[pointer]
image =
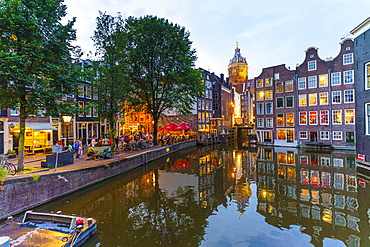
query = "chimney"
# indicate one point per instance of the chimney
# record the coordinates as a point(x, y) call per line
point(222, 78)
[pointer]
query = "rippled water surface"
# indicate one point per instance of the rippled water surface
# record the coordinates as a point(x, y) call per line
point(230, 195)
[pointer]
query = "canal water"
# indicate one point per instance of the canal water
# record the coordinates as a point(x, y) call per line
point(230, 195)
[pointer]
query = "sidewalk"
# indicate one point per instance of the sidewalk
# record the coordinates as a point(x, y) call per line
point(34, 161)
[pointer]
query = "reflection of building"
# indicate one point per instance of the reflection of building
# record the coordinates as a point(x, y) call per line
point(315, 190)
point(362, 83)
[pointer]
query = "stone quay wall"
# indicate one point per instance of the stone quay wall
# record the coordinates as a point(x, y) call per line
point(18, 195)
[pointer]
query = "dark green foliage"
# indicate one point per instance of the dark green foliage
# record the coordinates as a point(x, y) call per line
point(160, 64)
point(35, 60)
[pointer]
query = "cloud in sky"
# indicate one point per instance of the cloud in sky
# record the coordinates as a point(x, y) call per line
point(269, 32)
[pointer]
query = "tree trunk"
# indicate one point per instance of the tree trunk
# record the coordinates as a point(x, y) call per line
point(112, 133)
point(22, 130)
point(155, 132)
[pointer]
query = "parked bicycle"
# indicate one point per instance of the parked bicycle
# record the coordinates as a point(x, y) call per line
point(9, 167)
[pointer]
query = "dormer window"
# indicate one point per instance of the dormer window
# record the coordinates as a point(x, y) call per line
point(347, 58)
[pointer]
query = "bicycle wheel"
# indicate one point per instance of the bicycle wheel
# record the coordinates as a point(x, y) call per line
point(6, 168)
point(12, 169)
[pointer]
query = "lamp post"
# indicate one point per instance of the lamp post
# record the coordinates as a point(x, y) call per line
point(67, 120)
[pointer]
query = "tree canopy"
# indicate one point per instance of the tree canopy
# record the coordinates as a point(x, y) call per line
point(160, 62)
point(36, 60)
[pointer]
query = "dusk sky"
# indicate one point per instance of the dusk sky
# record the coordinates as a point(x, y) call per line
point(268, 32)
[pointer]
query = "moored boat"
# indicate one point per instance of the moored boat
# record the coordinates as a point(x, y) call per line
point(49, 229)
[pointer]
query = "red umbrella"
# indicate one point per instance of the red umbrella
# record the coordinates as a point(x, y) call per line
point(184, 126)
point(170, 127)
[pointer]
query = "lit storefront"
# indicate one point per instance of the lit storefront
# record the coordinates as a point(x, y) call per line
point(38, 136)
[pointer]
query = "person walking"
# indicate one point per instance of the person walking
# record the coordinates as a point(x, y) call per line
point(80, 149)
point(76, 148)
point(93, 141)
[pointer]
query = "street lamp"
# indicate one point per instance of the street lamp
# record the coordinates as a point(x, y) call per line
point(67, 120)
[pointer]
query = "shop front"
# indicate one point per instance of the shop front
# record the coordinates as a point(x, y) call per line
point(38, 137)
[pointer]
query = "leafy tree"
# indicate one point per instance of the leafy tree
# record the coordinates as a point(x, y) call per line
point(109, 82)
point(35, 59)
point(161, 67)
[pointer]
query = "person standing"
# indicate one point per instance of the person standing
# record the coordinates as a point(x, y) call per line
point(93, 141)
point(76, 148)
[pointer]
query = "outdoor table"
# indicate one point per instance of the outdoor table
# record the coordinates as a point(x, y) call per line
point(102, 152)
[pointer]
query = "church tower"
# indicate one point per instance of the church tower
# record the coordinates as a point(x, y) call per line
point(238, 68)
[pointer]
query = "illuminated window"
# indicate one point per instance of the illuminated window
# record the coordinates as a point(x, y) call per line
point(260, 83)
point(88, 114)
point(367, 76)
point(312, 82)
point(337, 135)
point(81, 90)
point(336, 97)
point(269, 108)
point(302, 83)
point(324, 135)
point(289, 86)
point(324, 98)
point(312, 97)
point(199, 117)
point(303, 135)
point(279, 102)
point(282, 158)
point(312, 65)
point(280, 120)
point(260, 95)
point(324, 117)
point(291, 173)
point(289, 101)
point(350, 116)
point(335, 79)
point(260, 122)
point(290, 119)
point(337, 116)
point(281, 134)
point(269, 122)
point(348, 77)
point(349, 96)
point(302, 118)
point(199, 104)
point(290, 135)
point(88, 92)
point(313, 117)
point(268, 82)
point(347, 58)
point(279, 87)
point(80, 105)
point(268, 95)
point(259, 108)
point(302, 100)
point(323, 80)
point(315, 181)
point(367, 120)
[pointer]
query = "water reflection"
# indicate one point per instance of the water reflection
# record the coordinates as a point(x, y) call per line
point(230, 195)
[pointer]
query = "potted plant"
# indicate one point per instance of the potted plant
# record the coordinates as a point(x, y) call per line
point(11, 154)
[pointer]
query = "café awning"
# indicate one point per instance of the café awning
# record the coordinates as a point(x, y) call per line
point(40, 126)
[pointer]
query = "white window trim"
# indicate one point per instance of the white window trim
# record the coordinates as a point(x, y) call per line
point(337, 139)
point(354, 116)
point(353, 77)
point(299, 118)
point(278, 121)
point(299, 100)
point(341, 117)
point(325, 158)
point(309, 118)
point(258, 121)
point(286, 119)
point(292, 102)
point(282, 86)
point(344, 59)
point(263, 110)
point(308, 65)
point(270, 94)
point(340, 78)
point(258, 98)
point(88, 114)
point(324, 138)
point(367, 130)
point(257, 83)
point(332, 98)
point(81, 114)
point(327, 80)
point(290, 81)
point(308, 82)
point(272, 123)
point(344, 96)
point(367, 65)
point(327, 96)
point(304, 83)
point(272, 108)
point(302, 137)
point(328, 118)
point(270, 80)
point(309, 102)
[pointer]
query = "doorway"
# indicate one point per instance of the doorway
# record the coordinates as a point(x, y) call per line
point(313, 136)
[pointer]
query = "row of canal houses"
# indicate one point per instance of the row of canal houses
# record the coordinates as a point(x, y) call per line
point(323, 102)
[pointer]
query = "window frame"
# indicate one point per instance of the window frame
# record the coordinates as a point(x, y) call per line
point(352, 73)
point(272, 108)
point(327, 137)
point(345, 117)
point(272, 122)
point(286, 98)
point(286, 120)
point(309, 99)
point(332, 117)
point(317, 122)
point(279, 85)
point(327, 98)
point(311, 64)
point(347, 56)
point(335, 135)
point(262, 109)
point(353, 96)
point(304, 138)
point(367, 121)
point(270, 91)
point(308, 82)
point(327, 82)
point(302, 81)
point(301, 96)
point(328, 118)
point(301, 114)
point(277, 105)
point(259, 93)
point(367, 75)
point(340, 97)
point(260, 120)
point(333, 79)
point(277, 119)
point(289, 84)
point(257, 83)
point(270, 82)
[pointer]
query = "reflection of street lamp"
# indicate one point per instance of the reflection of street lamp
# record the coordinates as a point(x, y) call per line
point(67, 120)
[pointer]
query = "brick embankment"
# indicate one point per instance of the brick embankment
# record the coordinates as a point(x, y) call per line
point(29, 190)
